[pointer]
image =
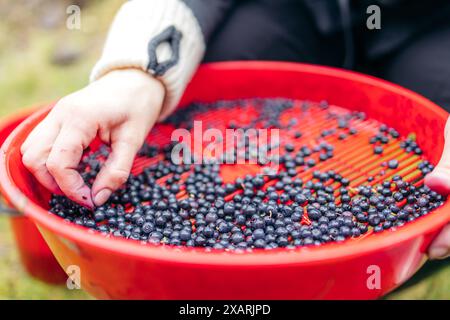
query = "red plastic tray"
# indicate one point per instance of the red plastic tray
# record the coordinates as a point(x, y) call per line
point(118, 268)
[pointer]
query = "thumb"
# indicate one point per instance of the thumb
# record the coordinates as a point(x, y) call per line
point(439, 178)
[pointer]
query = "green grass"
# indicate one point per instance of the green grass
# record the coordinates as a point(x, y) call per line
point(28, 77)
point(431, 282)
point(15, 283)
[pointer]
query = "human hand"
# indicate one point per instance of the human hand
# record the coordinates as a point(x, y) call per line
point(121, 108)
point(439, 180)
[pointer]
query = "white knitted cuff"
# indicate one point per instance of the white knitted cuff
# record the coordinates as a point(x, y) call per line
point(136, 24)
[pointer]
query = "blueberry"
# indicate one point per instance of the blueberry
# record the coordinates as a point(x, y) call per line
point(310, 162)
point(281, 231)
point(300, 199)
point(228, 208)
point(237, 238)
point(111, 212)
point(211, 217)
point(223, 227)
point(282, 241)
point(374, 219)
point(422, 202)
point(148, 227)
point(377, 150)
point(208, 232)
point(260, 243)
point(392, 164)
point(99, 216)
point(289, 147)
point(314, 214)
point(200, 241)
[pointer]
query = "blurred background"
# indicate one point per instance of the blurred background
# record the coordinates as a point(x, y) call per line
point(41, 59)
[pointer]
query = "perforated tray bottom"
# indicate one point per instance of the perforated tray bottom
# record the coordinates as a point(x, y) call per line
point(353, 158)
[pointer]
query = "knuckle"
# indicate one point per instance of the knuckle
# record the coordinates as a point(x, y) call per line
point(59, 107)
point(66, 102)
point(129, 135)
point(53, 166)
point(61, 149)
point(29, 160)
point(73, 186)
point(65, 108)
point(130, 142)
point(23, 149)
point(118, 176)
point(79, 125)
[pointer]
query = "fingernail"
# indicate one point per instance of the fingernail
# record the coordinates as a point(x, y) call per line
point(439, 253)
point(102, 196)
point(84, 197)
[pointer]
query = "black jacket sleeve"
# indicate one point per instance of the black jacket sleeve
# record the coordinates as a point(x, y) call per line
point(210, 13)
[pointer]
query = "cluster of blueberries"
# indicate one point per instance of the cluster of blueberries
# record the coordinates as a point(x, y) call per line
point(386, 134)
point(194, 207)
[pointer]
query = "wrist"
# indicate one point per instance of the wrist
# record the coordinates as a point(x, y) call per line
point(139, 86)
point(136, 78)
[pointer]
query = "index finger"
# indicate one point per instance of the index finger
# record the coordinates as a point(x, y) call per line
point(63, 162)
